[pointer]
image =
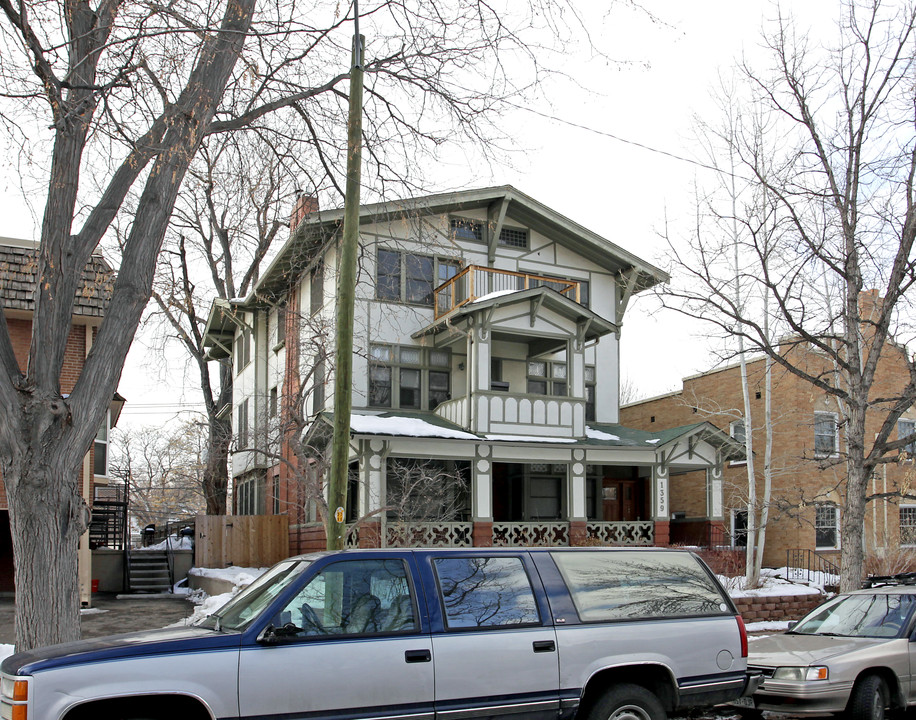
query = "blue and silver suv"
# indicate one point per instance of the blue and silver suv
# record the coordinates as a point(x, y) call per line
point(524, 634)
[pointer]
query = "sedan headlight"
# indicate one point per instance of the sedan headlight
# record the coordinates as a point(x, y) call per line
point(815, 672)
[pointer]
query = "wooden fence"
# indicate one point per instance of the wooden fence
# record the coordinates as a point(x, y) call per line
point(242, 540)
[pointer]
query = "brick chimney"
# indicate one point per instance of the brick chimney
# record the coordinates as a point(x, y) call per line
point(304, 205)
point(870, 304)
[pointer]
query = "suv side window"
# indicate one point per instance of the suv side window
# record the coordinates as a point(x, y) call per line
point(353, 597)
point(485, 592)
point(635, 585)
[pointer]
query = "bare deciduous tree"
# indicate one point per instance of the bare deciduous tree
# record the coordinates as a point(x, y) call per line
point(829, 143)
point(127, 92)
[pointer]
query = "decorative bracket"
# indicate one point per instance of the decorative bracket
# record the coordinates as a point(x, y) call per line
point(628, 281)
point(495, 227)
point(581, 331)
point(535, 307)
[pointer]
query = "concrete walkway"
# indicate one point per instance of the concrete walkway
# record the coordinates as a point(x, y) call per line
point(111, 614)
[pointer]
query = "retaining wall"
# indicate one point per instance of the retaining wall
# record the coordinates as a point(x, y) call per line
point(781, 607)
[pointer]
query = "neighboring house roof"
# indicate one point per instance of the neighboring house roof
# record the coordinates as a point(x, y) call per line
point(18, 270)
point(318, 226)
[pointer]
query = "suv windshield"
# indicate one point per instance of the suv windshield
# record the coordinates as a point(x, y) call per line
point(249, 603)
point(860, 615)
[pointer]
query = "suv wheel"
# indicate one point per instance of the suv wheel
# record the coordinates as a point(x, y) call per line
point(629, 702)
point(869, 699)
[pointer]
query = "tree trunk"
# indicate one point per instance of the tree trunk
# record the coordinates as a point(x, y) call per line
point(47, 517)
point(216, 474)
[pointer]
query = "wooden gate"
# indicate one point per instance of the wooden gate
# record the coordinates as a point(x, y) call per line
point(242, 540)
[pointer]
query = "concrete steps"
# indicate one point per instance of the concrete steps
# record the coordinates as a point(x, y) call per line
point(149, 571)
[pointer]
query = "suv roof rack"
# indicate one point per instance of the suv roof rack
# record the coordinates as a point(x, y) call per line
point(908, 578)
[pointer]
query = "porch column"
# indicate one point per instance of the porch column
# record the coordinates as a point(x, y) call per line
point(479, 369)
point(576, 499)
point(372, 467)
point(714, 494)
point(575, 378)
point(482, 497)
point(715, 507)
point(661, 513)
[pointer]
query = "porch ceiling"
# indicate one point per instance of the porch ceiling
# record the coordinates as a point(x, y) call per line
point(581, 320)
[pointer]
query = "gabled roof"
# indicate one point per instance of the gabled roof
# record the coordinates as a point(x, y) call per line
point(18, 270)
point(317, 227)
point(706, 431)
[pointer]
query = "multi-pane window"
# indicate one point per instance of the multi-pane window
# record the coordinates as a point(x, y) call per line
point(422, 377)
point(825, 434)
point(242, 350)
point(250, 495)
point(513, 237)
point(410, 278)
point(281, 324)
point(100, 449)
point(904, 428)
point(319, 378)
point(738, 431)
point(242, 432)
point(590, 376)
point(908, 524)
point(316, 288)
point(826, 534)
point(273, 402)
point(467, 229)
point(546, 378)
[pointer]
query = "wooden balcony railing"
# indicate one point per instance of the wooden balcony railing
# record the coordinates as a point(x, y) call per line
point(476, 281)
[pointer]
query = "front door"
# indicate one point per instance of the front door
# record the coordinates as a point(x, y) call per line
point(351, 645)
point(618, 499)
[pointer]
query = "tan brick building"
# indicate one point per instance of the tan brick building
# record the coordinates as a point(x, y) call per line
point(18, 268)
point(808, 467)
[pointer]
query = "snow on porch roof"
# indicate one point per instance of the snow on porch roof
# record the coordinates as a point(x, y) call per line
point(429, 425)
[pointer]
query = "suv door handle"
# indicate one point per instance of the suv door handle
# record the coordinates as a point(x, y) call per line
point(415, 656)
point(544, 646)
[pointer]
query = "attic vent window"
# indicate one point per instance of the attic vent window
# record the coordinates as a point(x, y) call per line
point(757, 394)
point(463, 229)
point(652, 419)
point(512, 237)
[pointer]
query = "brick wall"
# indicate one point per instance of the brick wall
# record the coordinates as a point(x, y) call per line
point(776, 608)
point(798, 480)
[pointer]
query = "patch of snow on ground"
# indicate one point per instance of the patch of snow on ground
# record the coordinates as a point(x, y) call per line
point(206, 605)
point(598, 435)
point(182, 543)
point(770, 585)
point(5, 651)
point(238, 576)
point(92, 611)
point(801, 575)
point(411, 427)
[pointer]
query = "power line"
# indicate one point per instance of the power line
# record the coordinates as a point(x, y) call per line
point(625, 141)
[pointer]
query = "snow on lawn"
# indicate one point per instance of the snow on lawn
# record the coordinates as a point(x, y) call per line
point(771, 583)
point(763, 626)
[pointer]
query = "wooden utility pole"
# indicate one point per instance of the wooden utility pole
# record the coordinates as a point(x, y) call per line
point(346, 295)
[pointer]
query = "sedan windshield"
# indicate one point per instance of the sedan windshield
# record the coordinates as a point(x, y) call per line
point(250, 603)
point(860, 615)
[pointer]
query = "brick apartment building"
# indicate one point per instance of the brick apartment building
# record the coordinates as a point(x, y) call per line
point(18, 268)
point(808, 471)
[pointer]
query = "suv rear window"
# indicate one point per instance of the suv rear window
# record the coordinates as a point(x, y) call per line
point(636, 585)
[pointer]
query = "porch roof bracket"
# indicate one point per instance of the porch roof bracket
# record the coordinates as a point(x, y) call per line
point(628, 281)
point(692, 446)
point(535, 308)
point(221, 346)
point(495, 227)
point(663, 459)
point(581, 331)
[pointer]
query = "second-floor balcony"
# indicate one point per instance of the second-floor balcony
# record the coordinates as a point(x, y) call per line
point(476, 281)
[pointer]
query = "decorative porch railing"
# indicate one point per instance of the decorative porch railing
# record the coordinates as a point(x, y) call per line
point(475, 281)
point(455, 410)
point(622, 533)
point(530, 534)
point(438, 534)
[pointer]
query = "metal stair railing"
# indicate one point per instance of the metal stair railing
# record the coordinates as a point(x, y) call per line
point(805, 564)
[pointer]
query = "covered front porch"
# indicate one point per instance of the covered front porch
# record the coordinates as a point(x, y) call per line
point(450, 488)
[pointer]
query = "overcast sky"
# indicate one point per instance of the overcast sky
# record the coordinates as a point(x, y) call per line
point(599, 157)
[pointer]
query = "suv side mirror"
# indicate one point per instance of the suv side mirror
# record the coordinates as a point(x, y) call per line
point(792, 624)
point(273, 635)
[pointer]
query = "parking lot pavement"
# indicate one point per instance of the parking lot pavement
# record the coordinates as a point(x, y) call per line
point(111, 614)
